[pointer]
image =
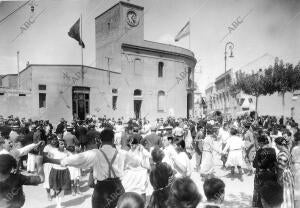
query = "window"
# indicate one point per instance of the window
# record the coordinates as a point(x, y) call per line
point(137, 92)
point(42, 100)
point(42, 87)
point(161, 101)
point(114, 98)
point(1, 93)
point(114, 102)
point(22, 95)
point(160, 69)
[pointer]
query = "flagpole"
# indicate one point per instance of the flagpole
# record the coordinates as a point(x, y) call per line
point(82, 75)
point(190, 34)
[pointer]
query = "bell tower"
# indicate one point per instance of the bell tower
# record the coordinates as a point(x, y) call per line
point(122, 23)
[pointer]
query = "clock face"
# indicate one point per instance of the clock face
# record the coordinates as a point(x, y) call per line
point(132, 18)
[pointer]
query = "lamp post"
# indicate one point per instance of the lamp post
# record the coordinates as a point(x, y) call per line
point(229, 45)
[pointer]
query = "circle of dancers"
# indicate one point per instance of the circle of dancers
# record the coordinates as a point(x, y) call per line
point(124, 159)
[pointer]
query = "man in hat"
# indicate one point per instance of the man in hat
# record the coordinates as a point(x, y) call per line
point(69, 138)
point(152, 139)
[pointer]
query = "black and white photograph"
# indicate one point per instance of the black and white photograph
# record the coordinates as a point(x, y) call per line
point(149, 103)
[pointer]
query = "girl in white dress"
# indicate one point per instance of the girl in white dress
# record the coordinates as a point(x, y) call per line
point(59, 178)
point(135, 178)
point(48, 151)
point(181, 160)
point(75, 173)
point(208, 148)
point(235, 146)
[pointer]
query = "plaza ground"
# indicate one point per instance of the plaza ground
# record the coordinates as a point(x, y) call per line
point(238, 194)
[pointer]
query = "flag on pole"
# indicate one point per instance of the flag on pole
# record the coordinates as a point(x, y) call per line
point(75, 33)
point(185, 31)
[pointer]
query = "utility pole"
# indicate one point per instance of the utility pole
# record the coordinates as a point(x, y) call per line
point(18, 63)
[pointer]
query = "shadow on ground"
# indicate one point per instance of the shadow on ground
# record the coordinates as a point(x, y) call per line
point(241, 200)
point(73, 202)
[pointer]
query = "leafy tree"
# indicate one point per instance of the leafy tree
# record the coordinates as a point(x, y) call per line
point(254, 84)
point(286, 79)
point(280, 77)
point(296, 78)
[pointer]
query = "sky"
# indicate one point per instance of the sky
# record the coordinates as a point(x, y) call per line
point(262, 27)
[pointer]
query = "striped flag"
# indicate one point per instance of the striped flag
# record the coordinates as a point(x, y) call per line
point(185, 31)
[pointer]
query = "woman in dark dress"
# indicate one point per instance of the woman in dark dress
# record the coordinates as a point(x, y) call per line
point(161, 178)
point(265, 165)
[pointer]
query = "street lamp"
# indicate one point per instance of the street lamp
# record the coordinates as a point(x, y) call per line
point(229, 45)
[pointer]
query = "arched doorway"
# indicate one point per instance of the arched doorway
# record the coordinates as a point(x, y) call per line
point(137, 103)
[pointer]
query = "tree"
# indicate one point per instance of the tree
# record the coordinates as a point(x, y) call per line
point(255, 87)
point(296, 78)
point(279, 78)
point(255, 84)
point(235, 88)
point(283, 79)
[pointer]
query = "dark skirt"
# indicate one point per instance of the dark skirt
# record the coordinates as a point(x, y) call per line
point(106, 193)
point(260, 178)
point(60, 179)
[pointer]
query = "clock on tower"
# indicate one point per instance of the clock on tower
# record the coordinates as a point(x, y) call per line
point(132, 18)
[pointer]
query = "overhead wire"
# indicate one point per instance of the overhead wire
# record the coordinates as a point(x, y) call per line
point(13, 12)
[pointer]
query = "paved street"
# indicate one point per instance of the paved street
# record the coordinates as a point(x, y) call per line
point(237, 194)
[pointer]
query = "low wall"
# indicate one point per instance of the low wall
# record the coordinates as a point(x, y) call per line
point(272, 105)
point(16, 105)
